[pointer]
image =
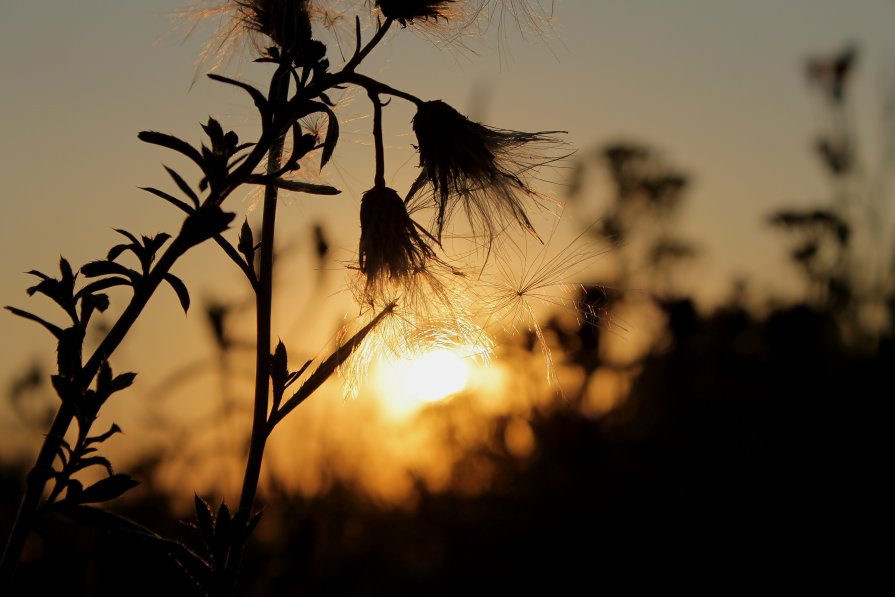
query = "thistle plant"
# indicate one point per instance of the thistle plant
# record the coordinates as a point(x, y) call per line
point(411, 295)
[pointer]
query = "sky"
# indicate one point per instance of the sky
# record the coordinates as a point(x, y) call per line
point(716, 86)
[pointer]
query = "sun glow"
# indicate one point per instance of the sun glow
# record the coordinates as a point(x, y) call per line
point(407, 384)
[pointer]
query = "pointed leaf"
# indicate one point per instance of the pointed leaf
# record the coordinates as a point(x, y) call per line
point(279, 369)
point(178, 203)
point(120, 382)
point(332, 135)
point(304, 187)
point(105, 283)
point(65, 268)
point(215, 132)
point(127, 235)
point(183, 186)
point(257, 96)
point(40, 275)
point(55, 330)
point(98, 439)
point(222, 524)
point(107, 489)
point(172, 142)
point(154, 243)
point(115, 251)
point(93, 461)
point(95, 269)
point(204, 519)
point(179, 287)
point(246, 244)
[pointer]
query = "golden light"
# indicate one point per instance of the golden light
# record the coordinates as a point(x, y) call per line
point(407, 384)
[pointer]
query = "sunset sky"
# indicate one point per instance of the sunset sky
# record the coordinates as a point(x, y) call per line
point(716, 86)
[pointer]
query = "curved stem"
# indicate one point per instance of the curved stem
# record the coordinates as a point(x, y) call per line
point(264, 307)
point(359, 55)
point(374, 86)
point(379, 178)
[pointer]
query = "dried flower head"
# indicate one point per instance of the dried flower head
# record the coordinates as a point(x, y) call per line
point(391, 247)
point(286, 22)
point(406, 11)
point(484, 171)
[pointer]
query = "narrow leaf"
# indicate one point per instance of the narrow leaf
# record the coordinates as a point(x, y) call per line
point(172, 142)
point(93, 461)
point(55, 330)
point(98, 439)
point(332, 136)
point(107, 489)
point(178, 203)
point(257, 96)
point(304, 187)
point(183, 186)
point(204, 519)
point(179, 287)
point(104, 283)
point(95, 269)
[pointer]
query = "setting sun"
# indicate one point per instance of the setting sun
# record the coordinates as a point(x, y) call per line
point(407, 384)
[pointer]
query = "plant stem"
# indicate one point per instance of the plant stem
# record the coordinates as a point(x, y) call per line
point(379, 178)
point(263, 317)
point(43, 467)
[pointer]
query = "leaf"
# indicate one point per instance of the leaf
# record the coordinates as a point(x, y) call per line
point(195, 568)
point(121, 382)
point(154, 243)
point(204, 223)
point(180, 288)
point(54, 329)
point(257, 96)
point(105, 283)
point(215, 133)
point(104, 379)
point(279, 369)
point(108, 489)
point(115, 251)
point(93, 461)
point(332, 135)
point(304, 187)
point(182, 184)
point(65, 268)
point(127, 235)
point(94, 269)
point(204, 519)
point(178, 203)
point(246, 244)
point(327, 367)
point(98, 439)
point(172, 142)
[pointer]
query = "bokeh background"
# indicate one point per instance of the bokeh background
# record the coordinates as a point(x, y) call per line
point(720, 412)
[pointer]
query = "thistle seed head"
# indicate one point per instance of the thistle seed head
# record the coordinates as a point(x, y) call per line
point(406, 11)
point(286, 22)
point(484, 171)
point(391, 248)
